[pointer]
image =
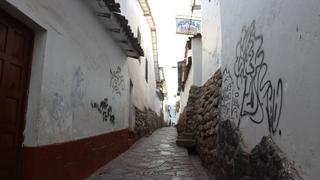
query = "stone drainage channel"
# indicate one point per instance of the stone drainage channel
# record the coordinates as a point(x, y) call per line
point(156, 157)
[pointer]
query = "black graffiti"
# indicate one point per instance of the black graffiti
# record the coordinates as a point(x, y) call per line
point(105, 109)
point(116, 81)
point(259, 98)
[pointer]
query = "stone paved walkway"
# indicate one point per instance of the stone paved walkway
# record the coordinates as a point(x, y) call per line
point(154, 158)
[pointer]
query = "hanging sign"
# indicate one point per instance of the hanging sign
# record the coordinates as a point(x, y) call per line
point(188, 26)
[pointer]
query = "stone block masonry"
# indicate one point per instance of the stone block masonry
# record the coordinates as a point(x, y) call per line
point(220, 144)
point(146, 122)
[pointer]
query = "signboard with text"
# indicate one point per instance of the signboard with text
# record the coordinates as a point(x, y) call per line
point(188, 26)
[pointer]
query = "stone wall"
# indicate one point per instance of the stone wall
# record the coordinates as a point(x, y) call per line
point(146, 122)
point(220, 144)
point(181, 125)
point(265, 161)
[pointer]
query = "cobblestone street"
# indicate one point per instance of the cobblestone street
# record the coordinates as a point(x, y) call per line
point(152, 158)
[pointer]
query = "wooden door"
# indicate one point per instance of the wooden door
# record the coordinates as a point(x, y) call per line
point(15, 43)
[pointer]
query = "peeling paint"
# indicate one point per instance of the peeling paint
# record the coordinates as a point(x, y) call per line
point(78, 89)
point(60, 109)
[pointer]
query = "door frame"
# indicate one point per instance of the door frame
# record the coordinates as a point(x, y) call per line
point(26, 86)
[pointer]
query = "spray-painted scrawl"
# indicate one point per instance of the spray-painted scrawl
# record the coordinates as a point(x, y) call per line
point(117, 81)
point(105, 109)
point(247, 92)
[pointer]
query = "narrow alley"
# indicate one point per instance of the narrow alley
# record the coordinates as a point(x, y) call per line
point(156, 157)
point(159, 89)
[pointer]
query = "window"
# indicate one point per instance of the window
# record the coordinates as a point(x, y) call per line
point(139, 41)
point(146, 68)
point(139, 36)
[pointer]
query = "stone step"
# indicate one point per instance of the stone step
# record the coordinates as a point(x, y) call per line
point(187, 143)
point(187, 135)
point(182, 136)
point(189, 130)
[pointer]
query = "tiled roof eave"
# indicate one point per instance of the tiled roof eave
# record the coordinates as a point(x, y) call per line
point(108, 12)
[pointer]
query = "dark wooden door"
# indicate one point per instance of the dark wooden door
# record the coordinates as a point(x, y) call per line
point(15, 41)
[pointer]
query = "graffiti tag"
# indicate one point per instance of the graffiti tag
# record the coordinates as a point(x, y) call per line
point(117, 81)
point(105, 109)
point(259, 98)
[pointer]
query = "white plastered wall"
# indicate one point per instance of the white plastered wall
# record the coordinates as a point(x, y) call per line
point(195, 73)
point(72, 60)
point(144, 93)
point(185, 94)
point(211, 38)
point(288, 33)
point(197, 61)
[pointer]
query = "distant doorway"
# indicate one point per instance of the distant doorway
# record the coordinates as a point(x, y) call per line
point(15, 60)
point(131, 108)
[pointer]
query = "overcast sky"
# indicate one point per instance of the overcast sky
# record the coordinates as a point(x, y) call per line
point(170, 45)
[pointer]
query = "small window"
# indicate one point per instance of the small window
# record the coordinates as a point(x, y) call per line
point(139, 36)
point(146, 68)
point(139, 40)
